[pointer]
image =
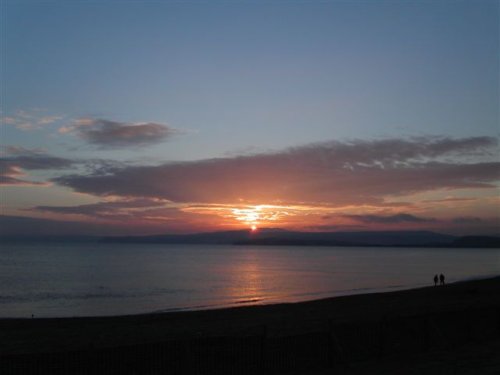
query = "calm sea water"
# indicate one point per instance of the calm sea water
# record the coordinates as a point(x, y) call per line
point(110, 279)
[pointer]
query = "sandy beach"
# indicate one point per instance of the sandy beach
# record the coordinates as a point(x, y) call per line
point(25, 337)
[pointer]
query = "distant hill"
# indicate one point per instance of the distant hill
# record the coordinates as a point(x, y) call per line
point(385, 238)
point(477, 241)
point(195, 238)
point(48, 239)
point(280, 237)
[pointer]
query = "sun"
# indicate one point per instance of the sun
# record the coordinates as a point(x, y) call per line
point(253, 228)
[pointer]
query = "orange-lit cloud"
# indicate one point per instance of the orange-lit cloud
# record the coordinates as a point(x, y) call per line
point(361, 172)
point(15, 160)
point(422, 183)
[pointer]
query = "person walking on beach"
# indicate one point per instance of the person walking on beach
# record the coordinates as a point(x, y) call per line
point(441, 279)
point(435, 280)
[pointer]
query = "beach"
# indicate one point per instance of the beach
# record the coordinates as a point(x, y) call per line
point(481, 298)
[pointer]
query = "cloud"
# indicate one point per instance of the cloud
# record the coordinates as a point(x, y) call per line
point(471, 225)
point(391, 219)
point(25, 226)
point(31, 226)
point(159, 220)
point(104, 209)
point(334, 173)
point(333, 228)
point(112, 134)
point(447, 200)
point(30, 120)
point(9, 175)
point(45, 120)
point(467, 220)
point(19, 150)
point(7, 120)
point(15, 160)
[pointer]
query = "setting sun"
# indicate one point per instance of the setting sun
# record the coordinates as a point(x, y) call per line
point(259, 215)
point(254, 228)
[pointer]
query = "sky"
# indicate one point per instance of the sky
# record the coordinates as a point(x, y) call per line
point(147, 117)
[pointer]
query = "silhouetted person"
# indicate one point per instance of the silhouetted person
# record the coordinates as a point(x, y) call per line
point(441, 279)
point(435, 280)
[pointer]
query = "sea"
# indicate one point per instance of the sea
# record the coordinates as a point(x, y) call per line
point(91, 279)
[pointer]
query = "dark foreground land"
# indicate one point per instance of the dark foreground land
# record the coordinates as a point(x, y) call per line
point(452, 329)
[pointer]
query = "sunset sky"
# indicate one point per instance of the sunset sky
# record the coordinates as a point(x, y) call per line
point(147, 117)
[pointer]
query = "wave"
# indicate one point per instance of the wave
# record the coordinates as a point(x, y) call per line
point(51, 296)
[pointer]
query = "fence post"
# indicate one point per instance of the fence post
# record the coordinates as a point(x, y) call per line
point(382, 336)
point(330, 344)
point(468, 326)
point(189, 358)
point(335, 349)
point(262, 352)
point(427, 332)
point(498, 320)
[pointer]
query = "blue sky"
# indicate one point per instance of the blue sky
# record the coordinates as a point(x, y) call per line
point(244, 77)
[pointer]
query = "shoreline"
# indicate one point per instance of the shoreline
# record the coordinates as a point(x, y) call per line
point(24, 335)
point(263, 302)
point(290, 299)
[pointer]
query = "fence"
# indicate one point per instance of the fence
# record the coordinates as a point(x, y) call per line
point(259, 354)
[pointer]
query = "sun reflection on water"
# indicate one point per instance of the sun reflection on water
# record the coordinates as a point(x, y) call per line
point(248, 279)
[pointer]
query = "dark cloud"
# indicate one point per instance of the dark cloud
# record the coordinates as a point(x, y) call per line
point(470, 225)
point(36, 162)
point(333, 227)
point(24, 226)
point(15, 160)
point(30, 226)
point(390, 219)
point(102, 166)
point(9, 175)
point(114, 134)
point(467, 220)
point(103, 209)
point(359, 172)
